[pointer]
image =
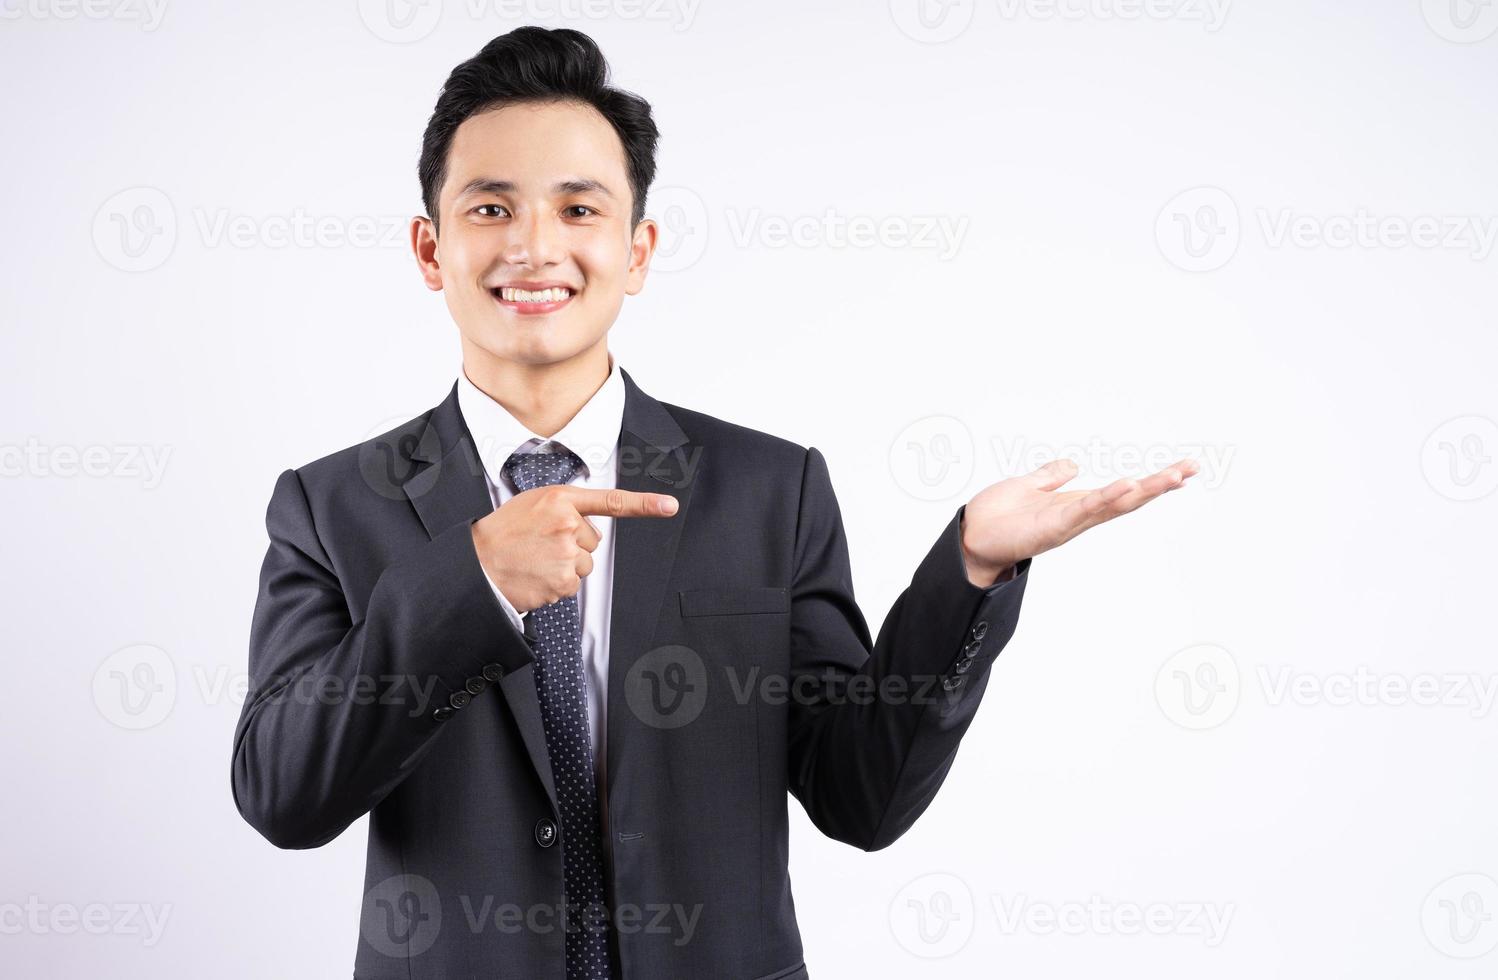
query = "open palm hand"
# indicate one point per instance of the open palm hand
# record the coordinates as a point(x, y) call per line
point(1025, 515)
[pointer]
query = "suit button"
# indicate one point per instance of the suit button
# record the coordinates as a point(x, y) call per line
point(459, 699)
point(546, 832)
point(443, 713)
point(953, 683)
point(475, 686)
point(980, 629)
point(971, 650)
point(493, 672)
point(963, 666)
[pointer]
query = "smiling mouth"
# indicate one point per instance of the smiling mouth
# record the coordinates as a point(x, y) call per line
point(511, 294)
point(531, 301)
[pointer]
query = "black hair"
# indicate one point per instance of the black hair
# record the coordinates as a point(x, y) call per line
point(536, 64)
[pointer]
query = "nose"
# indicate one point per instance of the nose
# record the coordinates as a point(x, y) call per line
point(534, 241)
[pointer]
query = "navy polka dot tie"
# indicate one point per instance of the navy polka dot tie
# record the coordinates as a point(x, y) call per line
point(560, 684)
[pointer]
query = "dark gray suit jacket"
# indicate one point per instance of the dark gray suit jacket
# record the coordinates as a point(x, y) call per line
point(386, 679)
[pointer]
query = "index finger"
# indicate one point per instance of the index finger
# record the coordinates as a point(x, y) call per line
point(621, 503)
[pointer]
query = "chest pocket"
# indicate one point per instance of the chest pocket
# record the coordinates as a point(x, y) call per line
point(734, 602)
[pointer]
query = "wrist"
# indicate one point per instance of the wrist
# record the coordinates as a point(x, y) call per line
point(982, 573)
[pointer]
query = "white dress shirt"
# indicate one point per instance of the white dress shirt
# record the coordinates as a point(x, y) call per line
point(593, 434)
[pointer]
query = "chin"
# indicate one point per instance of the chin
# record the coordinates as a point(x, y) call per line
point(532, 344)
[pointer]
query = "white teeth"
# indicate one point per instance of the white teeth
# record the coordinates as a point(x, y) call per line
point(511, 295)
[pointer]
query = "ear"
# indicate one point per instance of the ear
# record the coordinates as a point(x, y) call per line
point(642, 247)
point(424, 245)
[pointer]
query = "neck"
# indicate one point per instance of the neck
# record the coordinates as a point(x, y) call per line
point(543, 397)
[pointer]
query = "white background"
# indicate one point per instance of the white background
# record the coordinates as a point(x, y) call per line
point(1221, 704)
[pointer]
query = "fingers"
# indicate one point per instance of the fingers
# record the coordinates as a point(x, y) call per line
point(1173, 477)
point(1103, 503)
point(587, 536)
point(1188, 467)
point(620, 503)
point(1052, 474)
point(1123, 496)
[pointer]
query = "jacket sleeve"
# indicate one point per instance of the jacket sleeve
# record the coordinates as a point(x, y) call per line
point(875, 727)
point(339, 712)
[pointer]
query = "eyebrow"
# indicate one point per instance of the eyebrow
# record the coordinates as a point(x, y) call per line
point(575, 185)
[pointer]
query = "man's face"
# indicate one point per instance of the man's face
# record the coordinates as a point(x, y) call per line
point(536, 197)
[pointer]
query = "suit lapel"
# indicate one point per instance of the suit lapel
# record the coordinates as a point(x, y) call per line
point(654, 457)
point(446, 486)
point(452, 490)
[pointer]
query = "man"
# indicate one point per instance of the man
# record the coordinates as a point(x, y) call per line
point(569, 646)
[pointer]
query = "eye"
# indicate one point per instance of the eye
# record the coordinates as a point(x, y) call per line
point(579, 207)
point(483, 207)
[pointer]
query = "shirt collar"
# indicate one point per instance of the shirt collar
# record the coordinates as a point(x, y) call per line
point(593, 433)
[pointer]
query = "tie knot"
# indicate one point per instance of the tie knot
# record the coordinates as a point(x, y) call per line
point(530, 470)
